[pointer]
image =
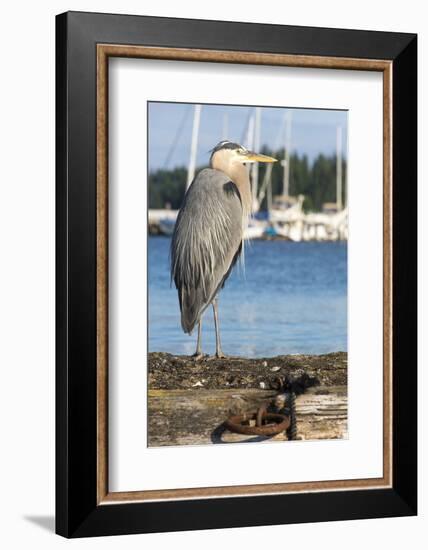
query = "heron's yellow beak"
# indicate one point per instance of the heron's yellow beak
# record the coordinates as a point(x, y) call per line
point(250, 156)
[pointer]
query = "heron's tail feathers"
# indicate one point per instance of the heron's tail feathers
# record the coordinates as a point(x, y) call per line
point(192, 305)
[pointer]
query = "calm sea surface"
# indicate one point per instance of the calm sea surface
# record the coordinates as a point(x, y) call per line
point(291, 299)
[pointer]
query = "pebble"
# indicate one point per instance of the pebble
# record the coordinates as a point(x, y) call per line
point(275, 369)
point(197, 385)
point(262, 385)
point(264, 364)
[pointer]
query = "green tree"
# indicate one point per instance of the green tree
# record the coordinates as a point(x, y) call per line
point(316, 181)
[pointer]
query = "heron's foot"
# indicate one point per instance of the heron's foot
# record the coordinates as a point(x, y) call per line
point(198, 355)
point(218, 355)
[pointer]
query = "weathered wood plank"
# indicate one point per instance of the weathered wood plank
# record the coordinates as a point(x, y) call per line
point(322, 413)
point(195, 416)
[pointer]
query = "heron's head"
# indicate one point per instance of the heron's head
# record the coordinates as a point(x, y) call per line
point(227, 153)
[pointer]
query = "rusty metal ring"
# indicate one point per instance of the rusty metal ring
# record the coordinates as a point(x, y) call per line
point(277, 423)
point(260, 415)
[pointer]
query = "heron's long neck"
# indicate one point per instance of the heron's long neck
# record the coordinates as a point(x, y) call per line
point(241, 178)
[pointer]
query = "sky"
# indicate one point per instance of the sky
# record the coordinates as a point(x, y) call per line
point(313, 131)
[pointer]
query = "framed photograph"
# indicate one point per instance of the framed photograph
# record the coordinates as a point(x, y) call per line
point(236, 274)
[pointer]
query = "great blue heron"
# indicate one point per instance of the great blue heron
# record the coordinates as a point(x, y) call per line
point(208, 234)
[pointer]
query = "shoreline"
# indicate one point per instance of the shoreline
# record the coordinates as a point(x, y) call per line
point(167, 371)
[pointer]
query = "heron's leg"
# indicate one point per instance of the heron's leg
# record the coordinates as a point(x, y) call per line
point(218, 351)
point(198, 353)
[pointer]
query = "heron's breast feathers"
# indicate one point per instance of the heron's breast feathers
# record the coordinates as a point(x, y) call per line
point(208, 233)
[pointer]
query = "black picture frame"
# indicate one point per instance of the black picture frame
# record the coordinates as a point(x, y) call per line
point(77, 511)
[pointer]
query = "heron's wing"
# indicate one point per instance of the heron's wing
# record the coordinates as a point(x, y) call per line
point(206, 242)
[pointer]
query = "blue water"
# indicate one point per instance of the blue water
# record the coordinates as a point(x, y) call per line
point(291, 299)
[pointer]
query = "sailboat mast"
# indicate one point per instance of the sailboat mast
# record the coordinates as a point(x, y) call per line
point(255, 170)
point(286, 161)
point(339, 204)
point(249, 140)
point(194, 145)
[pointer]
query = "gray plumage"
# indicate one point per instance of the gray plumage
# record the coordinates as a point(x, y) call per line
point(206, 243)
point(208, 234)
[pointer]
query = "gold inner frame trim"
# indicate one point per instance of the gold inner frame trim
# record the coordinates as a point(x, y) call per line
point(104, 51)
